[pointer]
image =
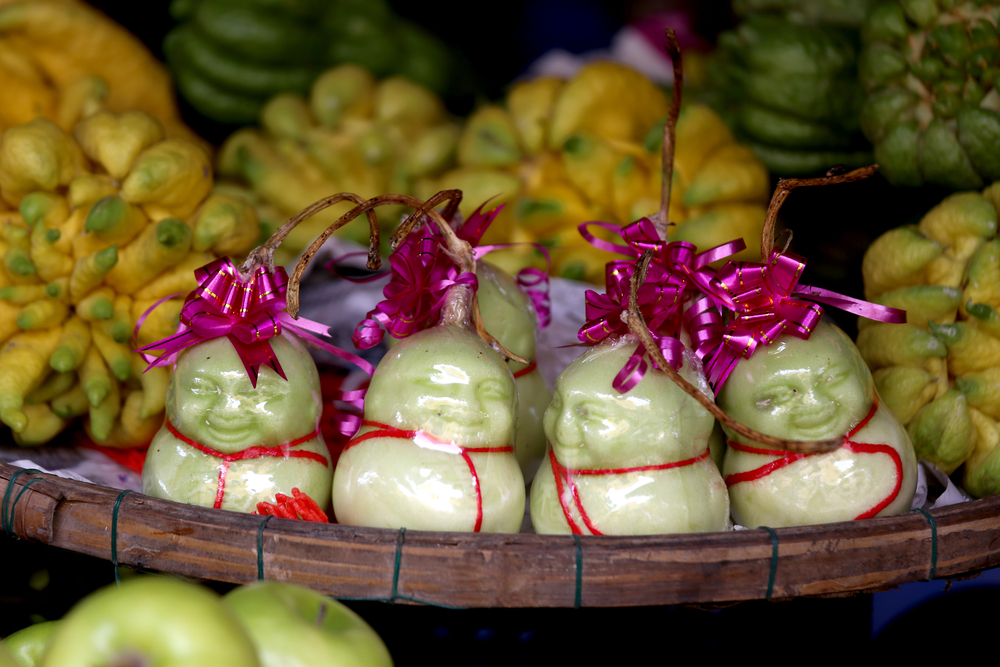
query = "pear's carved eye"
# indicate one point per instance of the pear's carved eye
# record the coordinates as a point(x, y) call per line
point(492, 390)
point(201, 385)
point(776, 396)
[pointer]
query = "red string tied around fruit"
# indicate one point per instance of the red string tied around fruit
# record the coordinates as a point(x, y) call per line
point(766, 301)
point(248, 313)
point(674, 276)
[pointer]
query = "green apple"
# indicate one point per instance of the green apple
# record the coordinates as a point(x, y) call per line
point(814, 389)
point(28, 644)
point(211, 401)
point(509, 318)
point(435, 392)
point(591, 426)
point(7, 660)
point(151, 620)
point(294, 626)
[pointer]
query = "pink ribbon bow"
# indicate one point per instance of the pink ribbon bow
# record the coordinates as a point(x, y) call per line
point(674, 276)
point(766, 301)
point(248, 314)
point(421, 275)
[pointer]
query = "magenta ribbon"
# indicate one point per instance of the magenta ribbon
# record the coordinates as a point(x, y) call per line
point(673, 277)
point(422, 272)
point(535, 284)
point(766, 301)
point(248, 314)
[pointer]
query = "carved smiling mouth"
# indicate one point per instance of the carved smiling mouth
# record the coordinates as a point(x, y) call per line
point(228, 433)
point(817, 423)
point(456, 426)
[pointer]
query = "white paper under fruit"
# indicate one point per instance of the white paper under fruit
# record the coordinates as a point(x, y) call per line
point(815, 389)
point(435, 398)
point(653, 439)
point(212, 403)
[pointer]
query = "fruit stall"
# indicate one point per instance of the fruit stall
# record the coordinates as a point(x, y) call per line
point(327, 335)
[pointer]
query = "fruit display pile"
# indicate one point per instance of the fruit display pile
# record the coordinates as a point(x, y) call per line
point(790, 88)
point(680, 416)
point(932, 75)
point(939, 372)
point(228, 58)
point(797, 80)
point(354, 133)
point(108, 221)
point(561, 153)
point(63, 60)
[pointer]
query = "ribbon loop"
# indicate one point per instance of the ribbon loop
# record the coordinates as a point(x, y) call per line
point(676, 275)
point(422, 272)
point(249, 314)
point(767, 301)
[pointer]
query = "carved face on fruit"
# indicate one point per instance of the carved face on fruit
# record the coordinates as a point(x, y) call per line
point(211, 400)
point(592, 425)
point(447, 382)
point(798, 389)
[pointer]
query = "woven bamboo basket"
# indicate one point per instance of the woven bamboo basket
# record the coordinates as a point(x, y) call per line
point(493, 570)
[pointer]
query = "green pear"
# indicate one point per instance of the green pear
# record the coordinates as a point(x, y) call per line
point(591, 426)
point(815, 389)
point(508, 317)
point(435, 392)
point(211, 401)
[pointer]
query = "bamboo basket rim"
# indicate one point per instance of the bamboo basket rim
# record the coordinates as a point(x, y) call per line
point(499, 570)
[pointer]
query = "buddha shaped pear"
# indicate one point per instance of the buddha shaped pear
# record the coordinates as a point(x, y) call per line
point(230, 445)
point(629, 463)
point(435, 450)
point(814, 389)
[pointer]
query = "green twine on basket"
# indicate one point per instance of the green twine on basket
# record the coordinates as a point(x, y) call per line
point(7, 507)
point(400, 537)
point(774, 561)
point(395, 566)
point(578, 593)
point(114, 533)
point(934, 542)
point(260, 547)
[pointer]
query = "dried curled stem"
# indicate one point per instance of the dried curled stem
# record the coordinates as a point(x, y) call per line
point(457, 309)
point(453, 197)
point(366, 207)
point(637, 325)
point(263, 255)
point(785, 187)
point(661, 220)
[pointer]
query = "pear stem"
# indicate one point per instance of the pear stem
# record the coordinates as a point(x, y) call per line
point(670, 134)
point(785, 187)
point(458, 308)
